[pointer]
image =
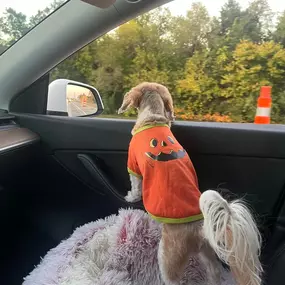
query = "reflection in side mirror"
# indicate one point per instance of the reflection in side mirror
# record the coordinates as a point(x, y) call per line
point(80, 101)
point(73, 99)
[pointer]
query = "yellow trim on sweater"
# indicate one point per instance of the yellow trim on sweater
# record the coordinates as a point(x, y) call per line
point(133, 173)
point(178, 220)
point(149, 127)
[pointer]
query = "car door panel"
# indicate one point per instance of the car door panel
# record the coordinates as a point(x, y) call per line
point(115, 134)
point(246, 159)
point(100, 171)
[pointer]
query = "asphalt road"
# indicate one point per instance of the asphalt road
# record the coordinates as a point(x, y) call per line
point(75, 109)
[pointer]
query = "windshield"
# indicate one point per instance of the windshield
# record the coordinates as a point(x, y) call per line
point(17, 17)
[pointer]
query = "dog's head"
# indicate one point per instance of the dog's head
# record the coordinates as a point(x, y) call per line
point(135, 96)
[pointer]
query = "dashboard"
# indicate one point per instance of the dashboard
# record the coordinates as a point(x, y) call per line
point(15, 137)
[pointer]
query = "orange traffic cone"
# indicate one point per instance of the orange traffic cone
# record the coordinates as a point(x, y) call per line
point(83, 101)
point(263, 106)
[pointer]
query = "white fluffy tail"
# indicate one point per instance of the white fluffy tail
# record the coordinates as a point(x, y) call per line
point(232, 232)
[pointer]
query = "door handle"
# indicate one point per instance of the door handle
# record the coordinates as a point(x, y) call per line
point(97, 174)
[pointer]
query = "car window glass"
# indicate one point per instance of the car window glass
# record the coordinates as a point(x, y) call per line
point(18, 17)
point(214, 56)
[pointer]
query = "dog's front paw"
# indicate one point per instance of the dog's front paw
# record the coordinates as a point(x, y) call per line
point(131, 198)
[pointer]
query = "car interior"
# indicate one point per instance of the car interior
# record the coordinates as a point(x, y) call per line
point(58, 172)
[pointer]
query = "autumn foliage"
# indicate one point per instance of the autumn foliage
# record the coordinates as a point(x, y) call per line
point(187, 115)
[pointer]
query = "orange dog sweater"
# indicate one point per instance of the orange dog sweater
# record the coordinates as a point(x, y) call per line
point(170, 185)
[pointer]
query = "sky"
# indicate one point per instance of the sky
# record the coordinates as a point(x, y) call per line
point(177, 7)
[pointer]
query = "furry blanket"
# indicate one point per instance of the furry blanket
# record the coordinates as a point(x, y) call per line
point(120, 250)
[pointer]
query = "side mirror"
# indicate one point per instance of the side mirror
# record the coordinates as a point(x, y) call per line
point(73, 99)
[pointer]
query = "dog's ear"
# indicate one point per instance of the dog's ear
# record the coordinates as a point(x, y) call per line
point(168, 103)
point(170, 116)
point(169, 111)
point(131, 99)
point(127, 103)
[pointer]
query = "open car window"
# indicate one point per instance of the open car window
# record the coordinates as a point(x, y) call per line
point(18, 17)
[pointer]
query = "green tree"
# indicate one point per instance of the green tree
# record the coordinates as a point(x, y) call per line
point(78, 67)
point(254, 65)
point(2, 47)
point(279, 33)
point(136, 51)
point(260, 20)
point(229, 13)
point(107, 75)
point(42, 14)
point(199, 89)
point(191, 33)
point(14, 25)
point(253, 24)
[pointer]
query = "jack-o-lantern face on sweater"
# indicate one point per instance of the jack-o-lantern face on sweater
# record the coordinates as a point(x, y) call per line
point(163, 147)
